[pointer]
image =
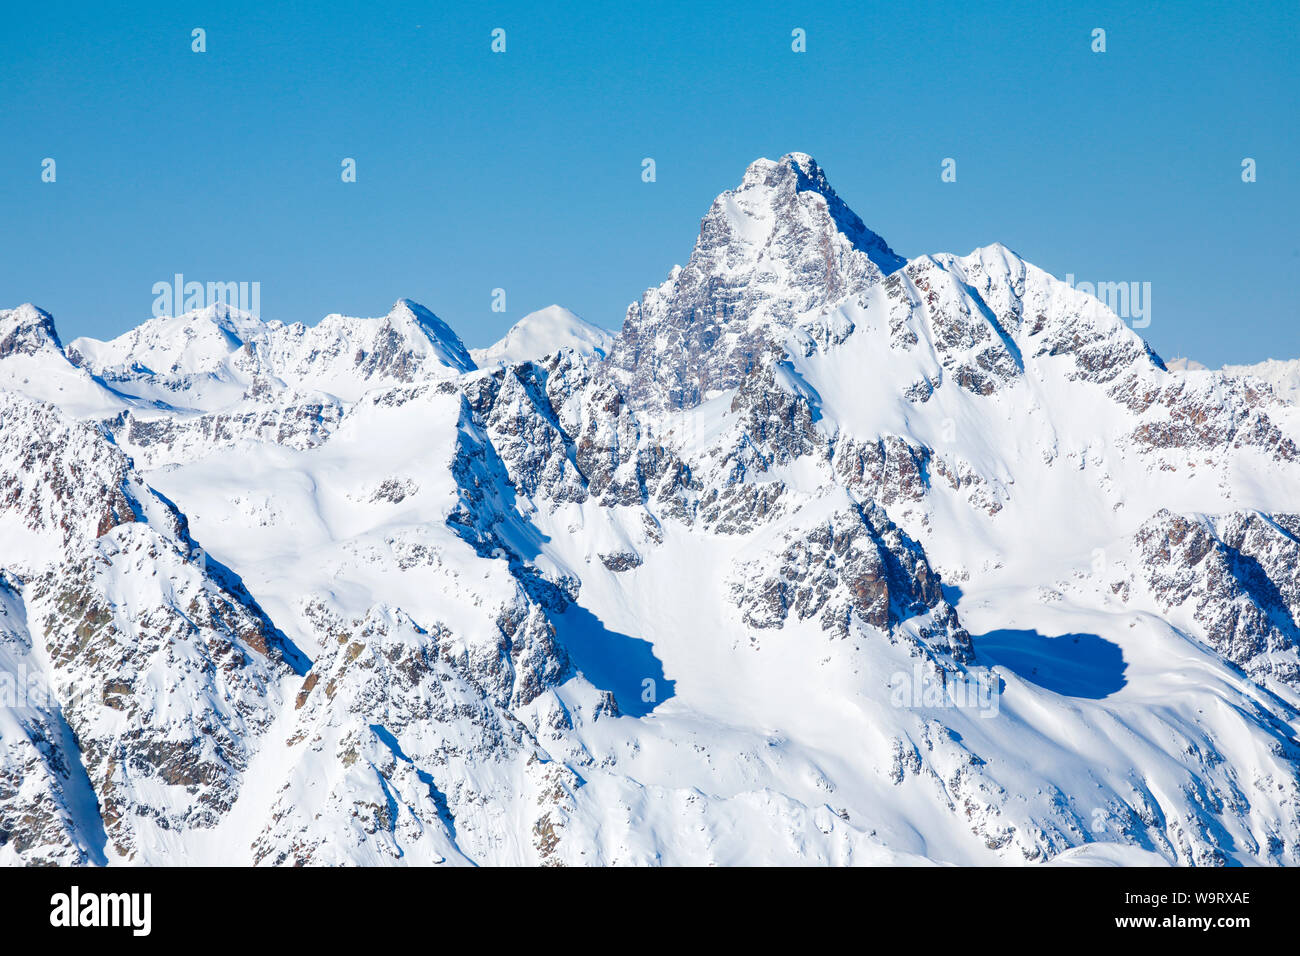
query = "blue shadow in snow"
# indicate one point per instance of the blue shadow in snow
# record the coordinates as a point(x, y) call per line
point(1075, 665)
point(615, 662)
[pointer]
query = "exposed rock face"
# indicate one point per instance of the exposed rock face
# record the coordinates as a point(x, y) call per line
point(61, 480)
point(1203, 419)
point(27, 330)
point(43, 789)
point(974, 346)
point(164, 667)
point(154, 441)
point(1236, 575)
point(856, 568)
point(886, 470)
point(780, 246)
point(37, 826)
point(186, 682)
point(413, 744)
point(540, 459)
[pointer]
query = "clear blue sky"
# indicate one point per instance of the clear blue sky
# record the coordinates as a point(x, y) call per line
point(523, 170)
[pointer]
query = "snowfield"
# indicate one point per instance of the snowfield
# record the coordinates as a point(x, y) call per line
point(826, 557)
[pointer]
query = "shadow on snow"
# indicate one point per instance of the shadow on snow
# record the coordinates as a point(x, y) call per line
point(1075, 665)
point(624, 665)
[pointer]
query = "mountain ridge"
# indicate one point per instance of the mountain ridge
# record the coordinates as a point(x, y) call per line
point(840, 560)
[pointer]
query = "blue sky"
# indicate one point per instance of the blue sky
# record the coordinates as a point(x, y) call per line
point(522, 170)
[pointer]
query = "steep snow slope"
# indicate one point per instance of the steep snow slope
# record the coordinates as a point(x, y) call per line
point(539, 334)
point(835, 558)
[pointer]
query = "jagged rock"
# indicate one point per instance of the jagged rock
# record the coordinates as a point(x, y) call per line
point(1237, 576)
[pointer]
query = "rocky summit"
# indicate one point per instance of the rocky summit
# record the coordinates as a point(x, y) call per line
point(824, 556)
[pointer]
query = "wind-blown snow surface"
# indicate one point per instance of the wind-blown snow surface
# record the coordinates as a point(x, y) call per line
point(828, 557)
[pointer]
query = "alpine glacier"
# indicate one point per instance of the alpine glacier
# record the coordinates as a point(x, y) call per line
point(827, 556)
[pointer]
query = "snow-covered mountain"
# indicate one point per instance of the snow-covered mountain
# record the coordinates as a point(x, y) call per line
point(828, 556)
point(541, 333)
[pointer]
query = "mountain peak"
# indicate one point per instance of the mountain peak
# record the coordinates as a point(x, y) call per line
point(197, 341)
point(410, 308)
point(779, 247)
point(27, 330)
point(827, 502)
point(241, 325)
point(447, 344)
point(801, 163)
point(811, 177)
point(218, 311)
point(543, 333)
point(800, 173)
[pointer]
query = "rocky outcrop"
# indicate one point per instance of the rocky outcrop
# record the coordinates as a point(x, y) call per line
point(855, 568)
point(1236, 576)
point(398, 747)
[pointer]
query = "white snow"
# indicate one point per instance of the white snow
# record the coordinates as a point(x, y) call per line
point(542, 333)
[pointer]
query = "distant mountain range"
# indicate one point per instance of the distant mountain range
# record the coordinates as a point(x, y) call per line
point(1282, 376)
